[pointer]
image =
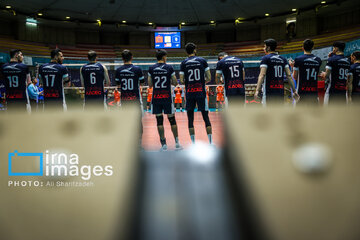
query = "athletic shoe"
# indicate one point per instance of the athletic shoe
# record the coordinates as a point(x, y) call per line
point(178, 146)
point(163, 148)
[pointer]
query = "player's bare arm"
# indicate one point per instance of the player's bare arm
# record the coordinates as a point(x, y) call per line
point(106, 77)
point(218, 78)
point(349, 87)
point(260, 81)
point(28, 79)
point(291, 81)
point(207, 76)
point(81, 78)
point(182, 78)
point(174, 81)
point(150, 83)
point(244, 75)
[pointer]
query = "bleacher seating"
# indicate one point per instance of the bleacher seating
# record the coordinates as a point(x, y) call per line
point(28, 48)
point(81, 50)
point(248, 48)
point(322, 40)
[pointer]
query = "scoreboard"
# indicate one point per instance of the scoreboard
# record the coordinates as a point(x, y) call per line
point(167, 40)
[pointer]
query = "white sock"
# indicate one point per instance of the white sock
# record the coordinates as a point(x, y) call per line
point(192, 138)
point(210, 138)
point(177, 140)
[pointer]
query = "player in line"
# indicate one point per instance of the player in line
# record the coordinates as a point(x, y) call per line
point(271, 77)
point(353, 81)
point(161, 77)
point(336, 74)
point(306, 71)
point(232, 70)
point(128, 78)
point(17, 78)
point(93, 77)
point(195, 73)
point(53, 77)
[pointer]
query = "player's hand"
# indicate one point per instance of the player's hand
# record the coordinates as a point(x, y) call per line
point(291, 63)
point(323, 75)
point(256, 95)
point(296, 96)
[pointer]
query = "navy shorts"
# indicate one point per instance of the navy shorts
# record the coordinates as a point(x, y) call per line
point(202, 104)
point(159, 108)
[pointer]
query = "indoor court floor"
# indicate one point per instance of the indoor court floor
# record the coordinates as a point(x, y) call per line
point(151, 142)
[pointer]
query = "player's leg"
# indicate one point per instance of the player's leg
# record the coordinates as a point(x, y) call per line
point(174, 129)
point(190, 107)
point(204, 108)
point(205, 115)
point(160, 127)
point(190, 114)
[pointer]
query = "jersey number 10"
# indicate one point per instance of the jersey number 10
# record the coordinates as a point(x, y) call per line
point(278, 71)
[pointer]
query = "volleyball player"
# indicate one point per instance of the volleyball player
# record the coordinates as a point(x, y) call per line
point(271, 77)
point(93, 77)
point(161, 77)
point(54, 76)
point(306, 71)
point(17, 77)
point(128, 78)
point(195, 73)
point(353, 84)
point(336, 75)
point(233, 72)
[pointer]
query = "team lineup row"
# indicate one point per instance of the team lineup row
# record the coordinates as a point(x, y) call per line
point(341, 77)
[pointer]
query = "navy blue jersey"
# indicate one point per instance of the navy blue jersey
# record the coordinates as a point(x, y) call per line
point(15, 76)
point(355, 72)
point(160, 74)
point(93, 75)
point(308, 67)
point(52, 76)
point(194, 69)
point(339, 66)
point(232, 69)
point(129, 78)
point(275, 73)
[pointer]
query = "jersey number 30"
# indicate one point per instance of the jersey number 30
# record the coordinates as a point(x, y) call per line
point(127, 84)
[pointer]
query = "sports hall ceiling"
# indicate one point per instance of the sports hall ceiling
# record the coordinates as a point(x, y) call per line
point(160, 12)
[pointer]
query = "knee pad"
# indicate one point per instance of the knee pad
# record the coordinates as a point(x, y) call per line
point(160, 120)
point(172, 120)
point(205, 115)
point(190, 115)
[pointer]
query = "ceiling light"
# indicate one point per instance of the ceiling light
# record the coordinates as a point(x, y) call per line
point(294, 9)
point(150, 23)
point(182, 23)
point(40, 14)
point(323, 2)
point(267, 14)
point(8, 6)
point(212, 21)
point(68, 17)
point(123, 21)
